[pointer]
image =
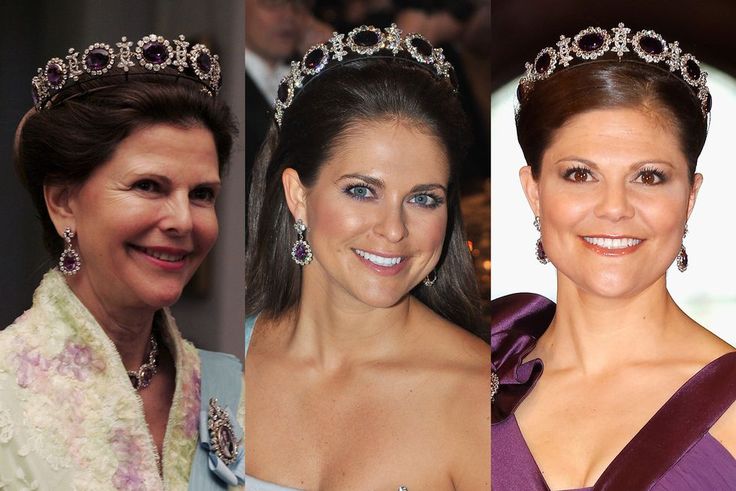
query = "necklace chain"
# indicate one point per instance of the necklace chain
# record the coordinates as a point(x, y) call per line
point(141, 378)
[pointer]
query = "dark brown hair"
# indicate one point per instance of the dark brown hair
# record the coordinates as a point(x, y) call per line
point(67, 142)
point(337, 100)
point(550, 103)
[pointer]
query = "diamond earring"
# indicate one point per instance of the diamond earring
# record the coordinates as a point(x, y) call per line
point(301, 252)
point(431, 278)
point(69, 261)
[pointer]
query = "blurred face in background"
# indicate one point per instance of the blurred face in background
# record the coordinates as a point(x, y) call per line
point(272, 27)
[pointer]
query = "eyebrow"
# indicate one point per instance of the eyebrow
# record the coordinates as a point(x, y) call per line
point(632, 166)
point(379, 183)
point(166, 180)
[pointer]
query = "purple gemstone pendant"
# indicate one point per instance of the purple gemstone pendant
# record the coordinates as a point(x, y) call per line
point(541, 256)
point(69, 261)
point(301, 252)
point(682, 259)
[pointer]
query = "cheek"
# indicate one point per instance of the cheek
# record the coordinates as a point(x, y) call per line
point(430, 228)
point(206, 227)
point(335, 219)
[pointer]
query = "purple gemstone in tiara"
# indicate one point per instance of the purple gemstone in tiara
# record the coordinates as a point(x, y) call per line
point(542, 63)
point(155, 52)
point(283, 93)
point(55, 75)
point(204, 62)
point(422, 46)
point(97, 59)
point(366, 38)
point(692, 68)
point(591, 41)
point(315, 60)
point(651, 45)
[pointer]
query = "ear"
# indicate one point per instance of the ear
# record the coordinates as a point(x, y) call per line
point(58, 199)
point(295, 193)
point(530, 187)
point(697, 182)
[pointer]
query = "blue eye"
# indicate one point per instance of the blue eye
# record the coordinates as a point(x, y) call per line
point(426, 200)
point(359, 192)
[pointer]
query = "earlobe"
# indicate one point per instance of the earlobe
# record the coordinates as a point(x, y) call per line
point(530, 187)
point(58, 203)
point(295, 193)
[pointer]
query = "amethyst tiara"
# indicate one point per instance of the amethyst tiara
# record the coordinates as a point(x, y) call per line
point(361, 43)
point(152, 52)
point(594, 42)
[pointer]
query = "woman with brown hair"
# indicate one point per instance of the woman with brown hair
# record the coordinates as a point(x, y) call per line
point(362, 370)
point(122, 156)
point(616, 388)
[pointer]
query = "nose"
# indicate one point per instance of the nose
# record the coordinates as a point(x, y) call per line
point(391, 223)
point(614, 202)
point(177, 215)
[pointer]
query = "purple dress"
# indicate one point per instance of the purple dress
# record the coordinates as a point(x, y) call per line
point(673, 451)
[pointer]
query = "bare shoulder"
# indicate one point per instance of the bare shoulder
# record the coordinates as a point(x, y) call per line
point(466, 360)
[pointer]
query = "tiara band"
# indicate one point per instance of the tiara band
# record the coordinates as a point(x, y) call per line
point(594, 42)
point(361, 43)
point(152, 52)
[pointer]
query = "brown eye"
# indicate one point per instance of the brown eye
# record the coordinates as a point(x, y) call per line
point(648, 178)
point(580, 175)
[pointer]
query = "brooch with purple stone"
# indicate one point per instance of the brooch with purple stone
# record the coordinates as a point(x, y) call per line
point(222, 437)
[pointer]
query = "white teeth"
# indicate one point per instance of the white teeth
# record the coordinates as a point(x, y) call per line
point(379, 260)
point(607, 243)
point(163, 256)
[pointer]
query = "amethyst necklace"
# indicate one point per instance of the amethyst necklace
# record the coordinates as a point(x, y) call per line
point(141, 378)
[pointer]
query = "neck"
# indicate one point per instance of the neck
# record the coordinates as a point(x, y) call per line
point(128, 328)
point(595, 334)
point(337, 332)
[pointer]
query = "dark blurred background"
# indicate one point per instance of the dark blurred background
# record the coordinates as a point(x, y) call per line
point(211, 311)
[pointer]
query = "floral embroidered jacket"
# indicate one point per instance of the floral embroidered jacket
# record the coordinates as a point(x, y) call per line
point(69, 417)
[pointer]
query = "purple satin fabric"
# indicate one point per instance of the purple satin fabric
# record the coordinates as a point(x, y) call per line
point(675, 444)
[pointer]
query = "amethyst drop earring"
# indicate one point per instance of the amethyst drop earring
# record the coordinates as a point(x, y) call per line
point(301, 252)
point(69, 261)
point(541, 256)
point(682, 255)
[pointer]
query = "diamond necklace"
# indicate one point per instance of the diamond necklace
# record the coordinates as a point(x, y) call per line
point(141, 378)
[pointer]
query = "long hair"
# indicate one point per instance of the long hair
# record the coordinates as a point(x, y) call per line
point(363, 91)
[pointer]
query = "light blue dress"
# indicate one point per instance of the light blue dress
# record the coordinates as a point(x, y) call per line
point(251, 483)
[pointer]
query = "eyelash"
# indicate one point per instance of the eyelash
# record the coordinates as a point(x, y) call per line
point(350, 188)
point(155, 187)
point(660, 175)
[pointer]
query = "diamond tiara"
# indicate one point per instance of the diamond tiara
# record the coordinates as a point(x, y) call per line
point(594, 42)
point(152, 52)
point(361, 43)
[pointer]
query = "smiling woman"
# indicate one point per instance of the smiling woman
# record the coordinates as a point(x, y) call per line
point(363, 371)
point(611, 125)
point(123, 162)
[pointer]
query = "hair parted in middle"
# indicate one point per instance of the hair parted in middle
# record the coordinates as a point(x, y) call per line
point(364, 91)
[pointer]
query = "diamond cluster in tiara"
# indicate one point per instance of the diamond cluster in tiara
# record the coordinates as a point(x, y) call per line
point(593, 42)
point(152, 52)
point(362, 42)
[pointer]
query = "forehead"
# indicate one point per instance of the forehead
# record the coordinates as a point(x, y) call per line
point(617, 135)
point(397, 149)
point(166, 149)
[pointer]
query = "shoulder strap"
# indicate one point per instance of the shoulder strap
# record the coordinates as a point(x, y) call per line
point(675, 428)
point(221, 377)
point(250, 324)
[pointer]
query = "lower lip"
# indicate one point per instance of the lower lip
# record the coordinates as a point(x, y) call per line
point(160, 263)
point(611, 252)
point(383, 270)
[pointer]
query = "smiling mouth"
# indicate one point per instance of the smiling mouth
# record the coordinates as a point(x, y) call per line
point(382, 261)
point(613, 243)
point(160, 255)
